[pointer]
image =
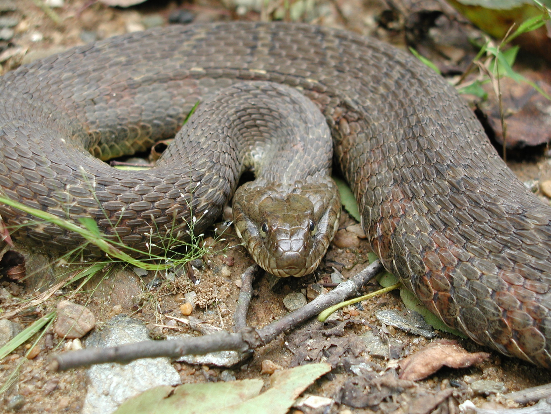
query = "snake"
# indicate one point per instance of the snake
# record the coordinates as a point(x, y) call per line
point(438, 205)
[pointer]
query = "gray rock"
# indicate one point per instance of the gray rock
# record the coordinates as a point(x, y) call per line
point(155, 20)
point(411, 322)
point(88, 37)
point(294, 301)
point(336, 277)
point(7, 5)
point(375, 345)
point(217, 359)
point(6, 33)
point(487, 387)
point(8, 330)
point(8, 21)
point(73, 320)
point(140, 272)
point(15, 403)
point(112, 384)
point(181, 16)
point(227, 375)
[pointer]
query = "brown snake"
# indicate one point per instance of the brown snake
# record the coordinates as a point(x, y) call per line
point(440, 208)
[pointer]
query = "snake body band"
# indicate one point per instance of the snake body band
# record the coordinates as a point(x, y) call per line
point(439, 207)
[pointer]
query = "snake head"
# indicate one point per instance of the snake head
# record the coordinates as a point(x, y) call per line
point(287, 228)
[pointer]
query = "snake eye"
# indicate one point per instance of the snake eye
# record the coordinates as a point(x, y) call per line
point(312, 226)
point(264, 228)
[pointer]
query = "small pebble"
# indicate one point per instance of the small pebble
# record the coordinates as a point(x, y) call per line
point(154, 20)
point(314, 290)
point(6, 33)
point(191, 297)
point(225, 271)
point(54, 3)
point(227, 376)
point(228, 260)
point(545, 188)
point(73, 321)
point(197, 263)
point(88, 37)
point(186, 308)
point(37, 37)
point(140, 272)
point(487, 387)
point(336, 278)
point(116, 310)
point(8, 21)
point(63, 403)
point(134, 27)
point(33, 353)
point(294, 301)
point(50, 386)
point(8, 330)
point(15, 403)
point(344, 239)
point(357, 230)
point(269, 367)
point(317, 402)
point(181, 16)
point(76, 344)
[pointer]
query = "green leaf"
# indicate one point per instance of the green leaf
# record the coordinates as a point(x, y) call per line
point(25, 335)
point(237, 397)
point(504, 61)
point(191, 112)
point(529, 25)
point(425, 60)
point(412, 303)
point(90, 224)
point(475, 89)
point(347, 198)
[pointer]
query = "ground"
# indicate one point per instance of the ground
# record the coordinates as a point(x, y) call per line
point(154, 299)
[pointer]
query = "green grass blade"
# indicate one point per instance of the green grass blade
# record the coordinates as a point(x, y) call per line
point(24, 335)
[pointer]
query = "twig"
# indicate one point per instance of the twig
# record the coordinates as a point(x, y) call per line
point(244, 340)
point(530, 394)
point(543, 407)
point(245, 296)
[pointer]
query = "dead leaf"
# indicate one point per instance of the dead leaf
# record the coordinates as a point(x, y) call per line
point(228, 397)
point(438, 354)
point(527, 112)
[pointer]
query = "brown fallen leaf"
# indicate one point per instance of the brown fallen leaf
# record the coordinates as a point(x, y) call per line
point(438, 354)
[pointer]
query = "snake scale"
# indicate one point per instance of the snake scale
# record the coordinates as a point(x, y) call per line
point(439, 207)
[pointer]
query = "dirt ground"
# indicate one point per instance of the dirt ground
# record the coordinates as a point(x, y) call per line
point(37, 35)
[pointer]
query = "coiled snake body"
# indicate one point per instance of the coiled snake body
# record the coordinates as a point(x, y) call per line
point(440, 208)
